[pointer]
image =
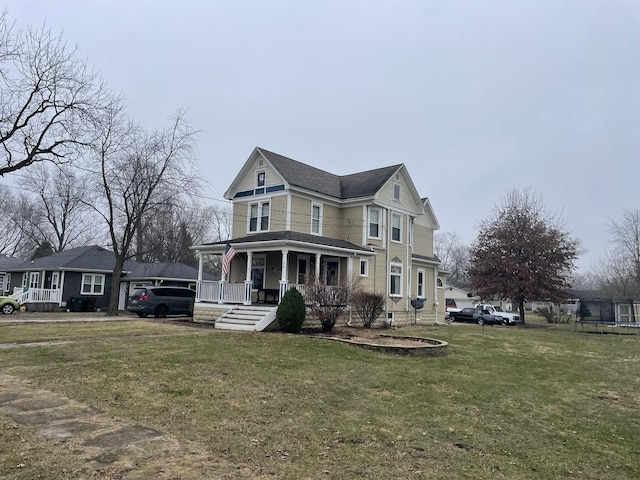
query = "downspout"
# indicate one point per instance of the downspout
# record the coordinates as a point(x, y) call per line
point(385, 241)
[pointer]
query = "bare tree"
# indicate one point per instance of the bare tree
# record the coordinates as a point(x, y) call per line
point(49, 99)
point(522, 252)
point(138, 173)
point(61, 217)
point(454, 256)
point(168, 235)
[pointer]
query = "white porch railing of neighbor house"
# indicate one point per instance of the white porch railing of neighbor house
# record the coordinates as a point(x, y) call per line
point(37, 295)
point(209, 291)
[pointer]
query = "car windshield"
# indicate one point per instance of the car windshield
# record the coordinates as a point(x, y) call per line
point(139, 292)
point(498, 309)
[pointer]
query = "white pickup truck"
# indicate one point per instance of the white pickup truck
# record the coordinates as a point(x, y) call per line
point(511, 318)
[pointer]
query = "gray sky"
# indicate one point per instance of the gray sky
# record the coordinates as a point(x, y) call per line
point(474, 97)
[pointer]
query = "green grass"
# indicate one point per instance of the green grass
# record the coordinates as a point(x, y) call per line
point(514, 403)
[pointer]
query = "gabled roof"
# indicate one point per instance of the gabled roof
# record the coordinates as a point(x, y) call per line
point(301, 175)
point(289, 236)
point(173, 271)
point(89, 258)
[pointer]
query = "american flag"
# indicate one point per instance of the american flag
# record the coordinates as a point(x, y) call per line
point(229, 253)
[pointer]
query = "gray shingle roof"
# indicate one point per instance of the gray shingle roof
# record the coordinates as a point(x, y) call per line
point(90, 258)
point(7, 262)
point(304, 176)
point(295, 237)
point(164, 270)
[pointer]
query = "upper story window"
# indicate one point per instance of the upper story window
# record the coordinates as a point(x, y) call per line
point(375, 214)
point(396, 227)
point(395, 280)
point(259, 217)
point(439, 283)
point(397, 192)
point(316, 218)
point(261, 178)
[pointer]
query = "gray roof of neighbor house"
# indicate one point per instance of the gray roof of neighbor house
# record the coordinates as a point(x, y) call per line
point(176, 271)
point(290, 236)
point(89, 258)
point(304, 176)
point(8, 262)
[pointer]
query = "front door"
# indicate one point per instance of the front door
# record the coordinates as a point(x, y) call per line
point(303, 269)
point(331, 271)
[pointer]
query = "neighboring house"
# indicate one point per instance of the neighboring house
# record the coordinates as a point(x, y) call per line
point(462, 298)
point(593, 307)
point(52, 281)
point(292, 220)
point(5, 276)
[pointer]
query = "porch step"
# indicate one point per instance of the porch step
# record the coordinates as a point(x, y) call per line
point(247, 318)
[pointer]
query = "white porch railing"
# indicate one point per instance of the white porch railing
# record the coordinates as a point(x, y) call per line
point(37, 295)
point(235, 292)
point(231, 292)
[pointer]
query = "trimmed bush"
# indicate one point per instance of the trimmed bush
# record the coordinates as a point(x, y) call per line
point(291, 311)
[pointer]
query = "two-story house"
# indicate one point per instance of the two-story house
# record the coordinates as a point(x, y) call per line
point(292, 220)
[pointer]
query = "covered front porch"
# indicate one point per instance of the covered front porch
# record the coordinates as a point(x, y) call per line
point(261, 273)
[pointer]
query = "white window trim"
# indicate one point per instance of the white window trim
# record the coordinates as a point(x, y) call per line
point(258, 172)
point(34, 278)
point(393, 192)
point(365, 262)
point(379, 210)
point(391, 274)
point(93, 283)
point(259, 218)
point(420, 284)
point(396, 215)
point(24, 279)
point(439, 283)
point(320, 211)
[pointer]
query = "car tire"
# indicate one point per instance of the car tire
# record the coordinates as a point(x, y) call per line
point(452, 318)
point(7, 309)
point(161, 311)
point(142, 314)
point(481, 320)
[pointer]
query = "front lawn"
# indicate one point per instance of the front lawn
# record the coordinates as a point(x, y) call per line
point(515, 403)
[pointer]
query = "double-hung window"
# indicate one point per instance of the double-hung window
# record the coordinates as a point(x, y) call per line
point(259, 217)
point(374, 222)
point(92, 284)
point(316, 219)
point(395, 280)
point(396, 227)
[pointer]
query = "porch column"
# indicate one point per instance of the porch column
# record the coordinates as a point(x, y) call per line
point(318, 267)
point(247, 280)
point(284, 277)
point(221, 291)
point(199, 254)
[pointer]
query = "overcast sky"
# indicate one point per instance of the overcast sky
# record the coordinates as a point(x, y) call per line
point(474, 97)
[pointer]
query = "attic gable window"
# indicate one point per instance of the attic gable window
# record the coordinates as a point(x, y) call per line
point(397, 190)
point(259, 217)
point(261, 178)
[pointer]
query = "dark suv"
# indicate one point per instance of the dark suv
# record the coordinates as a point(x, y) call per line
point(162, 301)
